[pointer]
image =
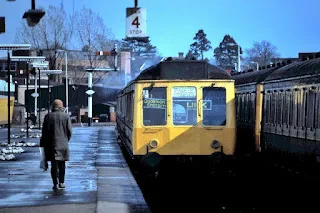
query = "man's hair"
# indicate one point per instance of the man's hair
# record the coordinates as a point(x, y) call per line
point(57, 104)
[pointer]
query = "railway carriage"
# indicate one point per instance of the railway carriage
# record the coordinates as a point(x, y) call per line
point(4, 102)
point(278, 110)
point(178, 109)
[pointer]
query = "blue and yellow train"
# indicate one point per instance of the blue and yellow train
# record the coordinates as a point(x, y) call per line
point(178, 109)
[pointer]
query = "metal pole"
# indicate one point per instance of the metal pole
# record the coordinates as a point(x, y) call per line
point(35, 97)
point(27, 100)
point(39, 99)
point(239, 65)
point(8, 73)
point(67, 103)
point(257, 66)
point(89, 98)
point(115, 56)
point(48, 93)
point(33, 4)
point(135, 3)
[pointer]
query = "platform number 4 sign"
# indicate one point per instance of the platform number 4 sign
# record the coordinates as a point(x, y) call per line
point(136, 22)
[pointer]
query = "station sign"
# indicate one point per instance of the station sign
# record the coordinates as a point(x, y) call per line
point(51, 72)
point(15, 46)
point(90, 92)
point(35, 95)
point(40, 64)
point(28, 58)
point(136, 22)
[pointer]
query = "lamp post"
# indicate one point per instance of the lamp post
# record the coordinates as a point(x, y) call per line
point(66, 73)
point(67, 83)
point(38, 65)
point(9, 48)
point(239, 60)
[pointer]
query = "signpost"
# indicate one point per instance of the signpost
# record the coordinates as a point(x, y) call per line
point(9, 48)
point(38, 64)
point(34, 60)
point(89, 92)
point(136, 23)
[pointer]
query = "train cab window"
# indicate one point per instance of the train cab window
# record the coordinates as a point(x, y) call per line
point(154, 106)
point(184, 107)
point(214, 106)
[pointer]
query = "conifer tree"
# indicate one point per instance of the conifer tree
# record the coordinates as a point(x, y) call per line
point(226, 53)
point(201, 44)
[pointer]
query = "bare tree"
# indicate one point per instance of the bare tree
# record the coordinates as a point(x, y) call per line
point(52, 33)
point(262, 52)
point(93, 36)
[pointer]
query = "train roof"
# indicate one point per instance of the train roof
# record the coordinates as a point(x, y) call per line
point(284, 70)
point(184, 70)
point(252, 76)
point(298, 69)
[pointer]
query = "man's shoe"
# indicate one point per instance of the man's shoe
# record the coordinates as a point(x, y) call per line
point(61, 185)
point(55, 187)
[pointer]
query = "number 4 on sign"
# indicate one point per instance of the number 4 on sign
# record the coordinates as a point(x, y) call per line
point(136, 22)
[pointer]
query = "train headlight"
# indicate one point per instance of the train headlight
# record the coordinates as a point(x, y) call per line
point(154, 144)
point(215, 144)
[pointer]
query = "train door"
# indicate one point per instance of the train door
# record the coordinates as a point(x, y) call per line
point(184, 120)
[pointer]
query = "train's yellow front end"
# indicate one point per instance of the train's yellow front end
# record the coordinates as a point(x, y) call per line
point(189, 118)
point(4, 109)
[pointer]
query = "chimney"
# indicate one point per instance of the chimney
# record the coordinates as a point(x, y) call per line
point(180, 55)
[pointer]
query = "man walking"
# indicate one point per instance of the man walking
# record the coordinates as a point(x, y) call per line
point(56, 133)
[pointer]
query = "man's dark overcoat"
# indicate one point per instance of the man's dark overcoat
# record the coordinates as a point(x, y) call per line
point(56, 133)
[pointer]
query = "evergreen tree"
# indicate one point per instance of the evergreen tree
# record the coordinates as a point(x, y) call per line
point(139, 48)
point(190, 56)
point(227, 53)
point(201, 44)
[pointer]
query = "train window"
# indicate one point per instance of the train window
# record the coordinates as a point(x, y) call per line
point(214, 106)
point(184, 108)
point(311, 96)
point(154, 106)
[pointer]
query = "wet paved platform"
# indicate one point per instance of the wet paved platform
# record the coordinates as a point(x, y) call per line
point(98, 178)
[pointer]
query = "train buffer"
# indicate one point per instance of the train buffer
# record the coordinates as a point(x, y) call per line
point(98, 178)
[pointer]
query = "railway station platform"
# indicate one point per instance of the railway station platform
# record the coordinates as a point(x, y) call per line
point(98, 178)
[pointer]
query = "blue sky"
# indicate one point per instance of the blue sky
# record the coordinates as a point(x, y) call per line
point(292, 25)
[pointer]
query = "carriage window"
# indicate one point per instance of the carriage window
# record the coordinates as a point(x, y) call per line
point(184, 105)
point(214, 106)
point(154, 106)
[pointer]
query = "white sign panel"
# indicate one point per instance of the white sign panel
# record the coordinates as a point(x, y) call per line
point(35, 95)
point(15, 46)
point(136, 23)
point(40, 64)
point(178, 92)
point(27, 58)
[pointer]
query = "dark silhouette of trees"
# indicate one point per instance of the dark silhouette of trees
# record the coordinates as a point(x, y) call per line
point(226, 54)
point(201, 44)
